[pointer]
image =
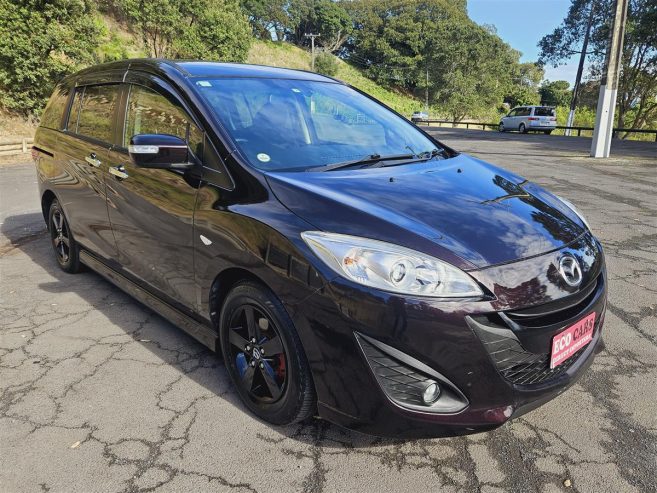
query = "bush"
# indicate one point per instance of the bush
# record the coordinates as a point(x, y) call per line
point(326, 64)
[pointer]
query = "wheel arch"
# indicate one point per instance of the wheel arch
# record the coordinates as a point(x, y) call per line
point(46, 200)
point(223, 283)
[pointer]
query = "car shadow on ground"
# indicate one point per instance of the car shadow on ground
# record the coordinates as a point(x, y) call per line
point(28, 233)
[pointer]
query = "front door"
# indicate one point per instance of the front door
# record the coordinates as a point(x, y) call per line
point(152, 210)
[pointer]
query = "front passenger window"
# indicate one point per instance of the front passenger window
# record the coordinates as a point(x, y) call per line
point(149, 112)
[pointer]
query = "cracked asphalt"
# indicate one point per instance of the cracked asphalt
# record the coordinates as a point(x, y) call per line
point(97, 393)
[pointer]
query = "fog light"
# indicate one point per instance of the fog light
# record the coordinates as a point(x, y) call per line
point(431, 393)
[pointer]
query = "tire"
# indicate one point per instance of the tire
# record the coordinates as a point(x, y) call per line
point(66, 249)
point(500, 127)
point(522, 129)
point(547, 132)
point(272, 376)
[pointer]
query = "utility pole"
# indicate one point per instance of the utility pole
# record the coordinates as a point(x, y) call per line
point(312, 43)
point(580, 69)
point(426, 95)
point(604, 119)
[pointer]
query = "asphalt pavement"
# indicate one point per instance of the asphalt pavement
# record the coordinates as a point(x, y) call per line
point(97, 393)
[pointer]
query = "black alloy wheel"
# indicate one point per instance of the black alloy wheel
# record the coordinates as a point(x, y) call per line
point(258, 353)
point(264, 357)
point(65, 248)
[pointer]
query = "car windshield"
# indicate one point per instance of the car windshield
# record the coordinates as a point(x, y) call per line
point(294, 125)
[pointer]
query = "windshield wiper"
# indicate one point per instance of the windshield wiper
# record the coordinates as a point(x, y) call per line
point(369, 159)
point(421, 157)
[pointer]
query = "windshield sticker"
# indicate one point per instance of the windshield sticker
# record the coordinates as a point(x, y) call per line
point(204, 83)
point(263, 157)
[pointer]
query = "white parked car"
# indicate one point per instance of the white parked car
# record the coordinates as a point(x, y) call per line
point(526, 118)
point(419, 116)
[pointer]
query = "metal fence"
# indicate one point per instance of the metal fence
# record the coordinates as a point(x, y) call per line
point(16, 146)
point(494, 126)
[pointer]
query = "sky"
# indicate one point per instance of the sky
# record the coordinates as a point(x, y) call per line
point(522, 23)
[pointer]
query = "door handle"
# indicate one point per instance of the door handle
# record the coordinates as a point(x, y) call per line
point(92, 160)
point(118, 171)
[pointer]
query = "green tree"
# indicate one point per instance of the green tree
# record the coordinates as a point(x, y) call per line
point(215, 29)
point(637, 92)
point(267, 17)
point(525, 85)
point(41, 42)
point(327, 18)
point(555, 93)
point(471, 69)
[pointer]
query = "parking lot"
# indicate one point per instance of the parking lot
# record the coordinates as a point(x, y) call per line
point(100, 394)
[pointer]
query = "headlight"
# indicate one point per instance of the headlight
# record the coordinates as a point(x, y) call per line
point(577, 213)
point(390, 267)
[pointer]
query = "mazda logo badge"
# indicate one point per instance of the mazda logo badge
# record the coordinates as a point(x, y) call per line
point(570, 270)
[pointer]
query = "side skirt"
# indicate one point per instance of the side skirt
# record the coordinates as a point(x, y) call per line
point(201, 333)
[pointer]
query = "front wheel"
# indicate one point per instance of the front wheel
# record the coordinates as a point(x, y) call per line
point(500, 127)
point(66, 249)
point(264, 357)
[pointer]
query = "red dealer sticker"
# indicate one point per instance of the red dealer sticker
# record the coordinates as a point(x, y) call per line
point(568, 342)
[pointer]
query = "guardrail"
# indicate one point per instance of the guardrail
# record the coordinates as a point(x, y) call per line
point(16, 146)
point(494, 126)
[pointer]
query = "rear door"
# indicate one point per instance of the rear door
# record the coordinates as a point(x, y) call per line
point(84, 147)
point(152, 210)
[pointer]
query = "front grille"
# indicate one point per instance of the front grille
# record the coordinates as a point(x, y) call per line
point(499, 334)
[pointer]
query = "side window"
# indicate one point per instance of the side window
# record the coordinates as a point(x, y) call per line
point(524, 112)
point(513, 113)
point(96, 112)
point(149, 112)
point(52, 115)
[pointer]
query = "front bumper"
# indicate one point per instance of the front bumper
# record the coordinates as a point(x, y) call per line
point(493, 352)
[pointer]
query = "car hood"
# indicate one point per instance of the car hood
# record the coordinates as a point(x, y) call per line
point(462, 210)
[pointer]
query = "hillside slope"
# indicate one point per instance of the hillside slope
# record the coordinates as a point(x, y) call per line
point(290, 56)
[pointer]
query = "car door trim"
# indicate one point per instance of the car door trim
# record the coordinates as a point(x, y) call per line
point(202, 333)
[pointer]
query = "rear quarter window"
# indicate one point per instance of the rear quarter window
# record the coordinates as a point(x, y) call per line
point(544, 112)
point(52, 115)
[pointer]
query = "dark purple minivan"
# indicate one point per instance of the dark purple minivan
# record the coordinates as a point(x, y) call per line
point(343, 261)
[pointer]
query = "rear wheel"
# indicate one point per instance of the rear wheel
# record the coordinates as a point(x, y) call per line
point(264, 356)
point(548, 132)
point(65, 248)
point(522, 128)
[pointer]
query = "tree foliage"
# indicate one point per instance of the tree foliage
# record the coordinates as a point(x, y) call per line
point(212, 29)
point(555, 93)
point(40, 42)
point(637, 92)
point(470, 69)
point(326, 64)
point(525, 84)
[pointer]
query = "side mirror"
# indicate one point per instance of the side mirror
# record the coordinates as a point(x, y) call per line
point(159, 151)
